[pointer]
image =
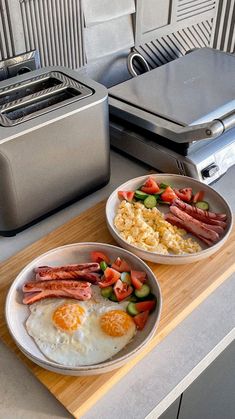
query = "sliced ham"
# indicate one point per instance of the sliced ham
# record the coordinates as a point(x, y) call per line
point(36, 291)
point(207, 217)
point(194, 226)
point(63, 275)
point(91, 267)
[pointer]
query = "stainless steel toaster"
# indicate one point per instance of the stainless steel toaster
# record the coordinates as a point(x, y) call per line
point(54, 143)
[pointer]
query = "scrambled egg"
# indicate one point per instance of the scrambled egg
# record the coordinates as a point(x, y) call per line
point(147, 229)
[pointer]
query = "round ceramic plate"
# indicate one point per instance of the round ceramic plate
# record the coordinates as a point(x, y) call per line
point(216, 201)
point(17, 313)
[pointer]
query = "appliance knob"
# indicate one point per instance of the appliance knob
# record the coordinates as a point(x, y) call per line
point(209, 171)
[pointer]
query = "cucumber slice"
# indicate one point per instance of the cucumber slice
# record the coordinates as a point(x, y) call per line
point(133, 298)
point(164, 202)
point(202, 205)
point(107, 292)
point(103, 265)
point(125, 277)
point(113, 298)
point(150, 201)
point(131, 309)
point(163, 185)
point(158, 194)
point(143, 292)
point(141, 195)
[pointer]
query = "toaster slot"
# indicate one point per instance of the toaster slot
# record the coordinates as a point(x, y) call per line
point(40, 105)
point(19, 92)
point(39, 95)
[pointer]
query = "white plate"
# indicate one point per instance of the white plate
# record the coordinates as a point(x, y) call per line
point(216, 201)
point(16, 313)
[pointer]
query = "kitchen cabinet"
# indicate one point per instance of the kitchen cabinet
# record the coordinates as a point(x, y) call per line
point(211, 395)
point(172, 411)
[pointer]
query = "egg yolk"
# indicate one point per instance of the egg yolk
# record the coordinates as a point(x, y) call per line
point(68, 317)
point(115, 323)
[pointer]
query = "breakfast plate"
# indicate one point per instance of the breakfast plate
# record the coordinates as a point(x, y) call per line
point(198, 249)
point(23, 330)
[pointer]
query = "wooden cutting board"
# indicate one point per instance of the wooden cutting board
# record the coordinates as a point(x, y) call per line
point(183, 289)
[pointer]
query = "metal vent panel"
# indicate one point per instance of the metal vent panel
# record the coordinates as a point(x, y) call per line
point(6, 38)
point(190, 8)
point(55, 29)
point(176, 44)
point(224, 37)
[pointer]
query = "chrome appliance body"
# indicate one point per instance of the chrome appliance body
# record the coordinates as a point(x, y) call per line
point(179, 118)
point(54, 143)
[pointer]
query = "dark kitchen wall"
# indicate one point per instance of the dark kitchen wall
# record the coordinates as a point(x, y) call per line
point(97, 35)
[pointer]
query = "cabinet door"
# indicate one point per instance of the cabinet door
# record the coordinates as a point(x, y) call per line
point(172, 411)
point(212, 395)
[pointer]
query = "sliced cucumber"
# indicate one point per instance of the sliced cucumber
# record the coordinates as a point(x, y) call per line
point(125, 277)
point(141, 195)
point(163, 185)
point(143, 292)
point(113, 298)
point(158, 194)
point(107, 292)
point(150, 201)
point(164, 202)
point(103, 265)
point(133, 299)
point(131, 309)
point(202, 205)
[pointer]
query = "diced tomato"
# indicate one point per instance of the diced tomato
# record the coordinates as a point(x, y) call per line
point(145, 306)
point(137, 279)
point(127, 195)
point(141, 319)
point(184, 194)
point(121, 265)
point(110, 277)
point(168, 195)
point(199, 196)
point(99, 256)
point(122, 290)
point(150, 186)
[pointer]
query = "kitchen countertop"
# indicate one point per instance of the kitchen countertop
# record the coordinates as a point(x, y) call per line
point(168, 370)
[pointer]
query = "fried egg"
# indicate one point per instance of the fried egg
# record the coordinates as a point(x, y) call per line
point(76, 333)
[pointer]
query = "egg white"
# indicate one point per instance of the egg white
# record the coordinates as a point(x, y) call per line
point(88, 344)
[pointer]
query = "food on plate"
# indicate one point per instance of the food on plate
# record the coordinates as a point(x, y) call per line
point(76, 322)
point(85, 271)
point(141, 224)
point(206, 232)
point(99, 257)
point(150, 186)
point(76, 333)
point(39, 290)
point(146, 228)
point(201, 215)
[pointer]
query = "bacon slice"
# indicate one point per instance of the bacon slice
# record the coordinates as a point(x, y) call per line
point(194, 226)
point(63, 275)
point(91, 267)
point(201, 215)
point(36, 291)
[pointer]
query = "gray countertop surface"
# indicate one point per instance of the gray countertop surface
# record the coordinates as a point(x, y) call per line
point(166, 372)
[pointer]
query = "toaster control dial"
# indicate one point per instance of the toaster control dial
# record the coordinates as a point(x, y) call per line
point(210, 170)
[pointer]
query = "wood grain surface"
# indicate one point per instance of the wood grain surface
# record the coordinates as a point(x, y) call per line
point(183, 289)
